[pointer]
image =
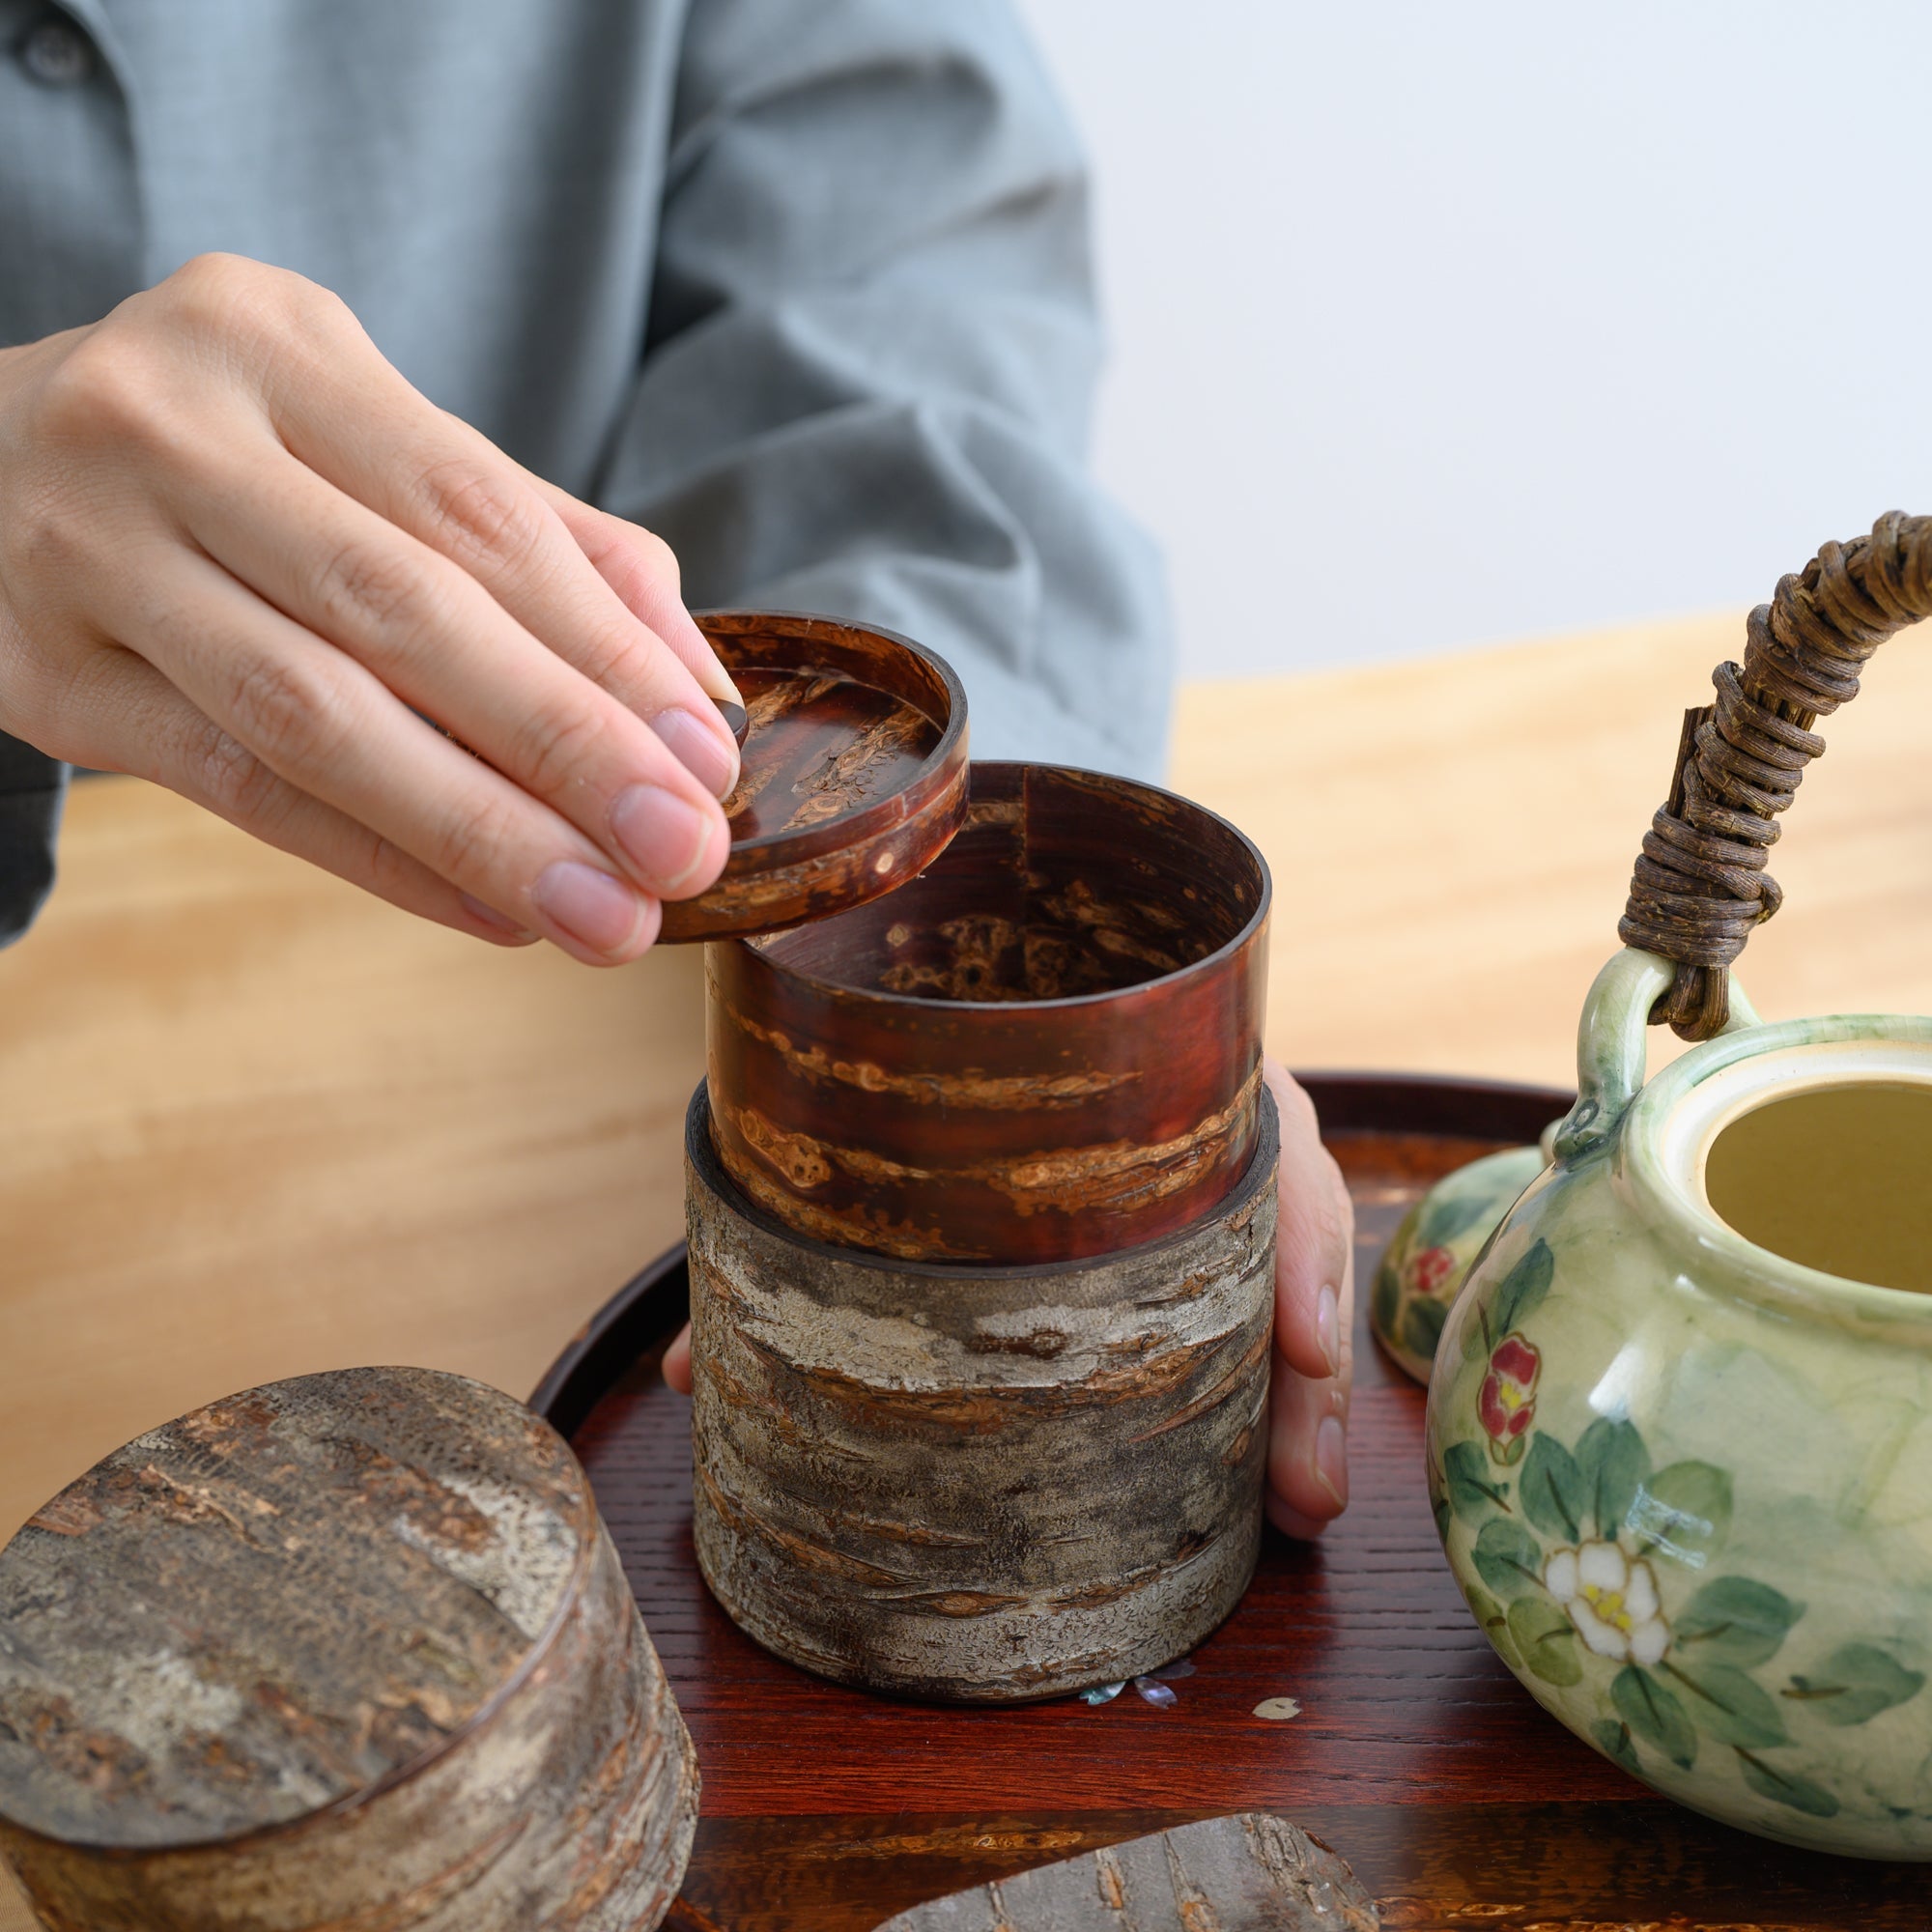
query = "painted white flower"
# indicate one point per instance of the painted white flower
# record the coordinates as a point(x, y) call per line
point(1612, 1600)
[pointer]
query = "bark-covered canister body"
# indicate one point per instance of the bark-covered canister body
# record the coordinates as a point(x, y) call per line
point(348, 1650)
point(978, 1484)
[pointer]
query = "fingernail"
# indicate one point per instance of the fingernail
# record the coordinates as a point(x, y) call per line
point(737, 721)
point(1328, 1329)
point(489, 916)
point(701, 749)
point(662, 835)
point(1331, 1459)
point(589, 906)
point(717, 683)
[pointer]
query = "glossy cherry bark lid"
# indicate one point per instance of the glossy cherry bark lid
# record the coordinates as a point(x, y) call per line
point(854, 774)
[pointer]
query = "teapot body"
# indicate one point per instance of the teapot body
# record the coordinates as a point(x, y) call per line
point(1684, 1483)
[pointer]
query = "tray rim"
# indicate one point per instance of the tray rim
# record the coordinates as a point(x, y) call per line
point(658, 1297)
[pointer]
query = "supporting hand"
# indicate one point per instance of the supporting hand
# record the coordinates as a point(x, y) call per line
point(1314, 1323)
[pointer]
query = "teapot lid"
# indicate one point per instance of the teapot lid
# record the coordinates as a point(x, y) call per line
point(853, 777)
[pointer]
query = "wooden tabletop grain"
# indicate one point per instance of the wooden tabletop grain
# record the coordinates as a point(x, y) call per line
point(253, 1123)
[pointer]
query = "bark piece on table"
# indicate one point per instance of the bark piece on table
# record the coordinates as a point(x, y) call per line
point(1250, 1872)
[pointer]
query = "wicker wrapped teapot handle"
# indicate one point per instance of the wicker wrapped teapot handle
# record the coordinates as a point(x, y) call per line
point(1700, 885)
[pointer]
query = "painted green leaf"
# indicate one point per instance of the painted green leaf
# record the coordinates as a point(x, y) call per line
point(1683, 1512)
point(1613, 1740)
point(1786, 1787)
point(1508, 1558)
point(1473, 1485)
point(1547, 1639)
point(1522, 1290)
point(1421, 1326)
point(1651, 1709)
point(1551, 1490)
point(1462, 1203)
point(1735, 1621)
point(1613, 1461)
point(1856, 1684)
point(1445, 1213)
point(1495, 1624)
point(1388, 1296)
point(1726, 1703)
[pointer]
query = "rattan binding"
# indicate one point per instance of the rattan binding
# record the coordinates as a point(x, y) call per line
point(1700, 884)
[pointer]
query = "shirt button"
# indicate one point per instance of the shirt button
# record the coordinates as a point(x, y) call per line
point(57, 53)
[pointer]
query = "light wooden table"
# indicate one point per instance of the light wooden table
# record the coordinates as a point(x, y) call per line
point(253, 1123)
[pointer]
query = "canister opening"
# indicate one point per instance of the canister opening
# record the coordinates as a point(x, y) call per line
point(1837, 1176)
point(1061, 885)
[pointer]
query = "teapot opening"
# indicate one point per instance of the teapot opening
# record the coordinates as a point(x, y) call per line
point(1837, 1177)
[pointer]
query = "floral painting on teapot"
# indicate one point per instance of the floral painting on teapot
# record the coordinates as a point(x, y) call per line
point(1603, 1570)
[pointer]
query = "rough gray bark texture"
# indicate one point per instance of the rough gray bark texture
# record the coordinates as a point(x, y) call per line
point(353, 1648)
point(978, 1484)
point(1250, 1874)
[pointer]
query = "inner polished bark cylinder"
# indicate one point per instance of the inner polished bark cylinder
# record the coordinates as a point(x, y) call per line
point(976, 1484)
point(1045, 1046)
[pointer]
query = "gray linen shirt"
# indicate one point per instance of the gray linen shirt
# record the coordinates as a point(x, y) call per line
point(802, 285)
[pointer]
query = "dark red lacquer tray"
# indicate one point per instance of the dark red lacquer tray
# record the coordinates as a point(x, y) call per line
point(1417, 1755)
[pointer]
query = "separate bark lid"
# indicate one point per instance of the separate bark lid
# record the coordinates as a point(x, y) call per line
point(854, 771)
point(278, 1601)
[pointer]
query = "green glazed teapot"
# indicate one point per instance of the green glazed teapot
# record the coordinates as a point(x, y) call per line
point(1679, 1415)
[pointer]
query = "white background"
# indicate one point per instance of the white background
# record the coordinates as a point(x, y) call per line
point(1437, 323)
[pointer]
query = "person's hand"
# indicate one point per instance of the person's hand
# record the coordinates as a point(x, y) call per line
point(1313, 1328)
point(241, 556)
point(1314, 1323)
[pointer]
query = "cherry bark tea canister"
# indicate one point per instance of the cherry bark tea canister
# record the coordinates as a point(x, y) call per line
point(982, 1211)
point(349, 1649)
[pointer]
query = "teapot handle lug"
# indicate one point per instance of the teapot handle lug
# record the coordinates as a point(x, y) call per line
point(1612, 1044)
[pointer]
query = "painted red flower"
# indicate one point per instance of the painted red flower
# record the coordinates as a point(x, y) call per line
point(1507, 1404)
point(1430, 1270)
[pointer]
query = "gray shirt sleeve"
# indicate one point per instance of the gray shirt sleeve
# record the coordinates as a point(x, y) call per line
point(805, 289)
point(873, 351)
point(32, 788)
